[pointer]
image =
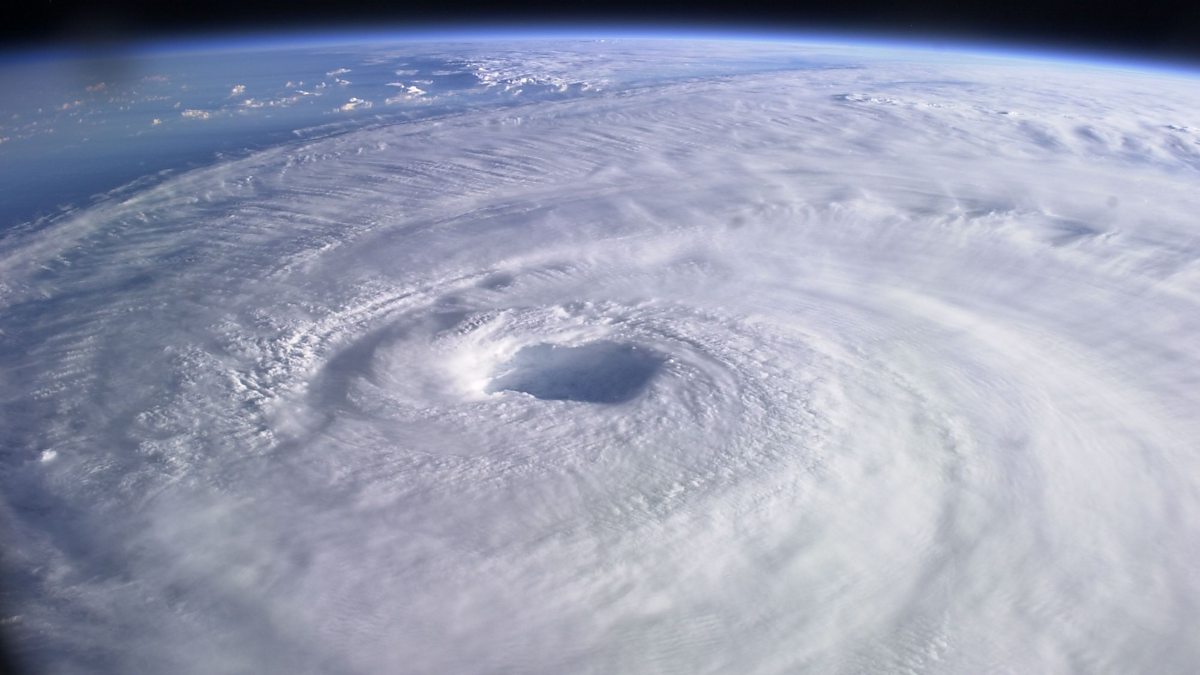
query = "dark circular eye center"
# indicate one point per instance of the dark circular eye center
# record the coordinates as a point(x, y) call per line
point(596, 372)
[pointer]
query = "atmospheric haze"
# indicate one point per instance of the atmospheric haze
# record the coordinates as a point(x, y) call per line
point(652, 356)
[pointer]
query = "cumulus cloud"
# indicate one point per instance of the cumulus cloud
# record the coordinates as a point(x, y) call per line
point(354, 104)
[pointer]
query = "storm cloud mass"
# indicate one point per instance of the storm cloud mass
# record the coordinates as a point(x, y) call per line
point(886, 362)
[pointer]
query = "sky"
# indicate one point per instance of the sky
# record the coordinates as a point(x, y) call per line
point(1149, 28)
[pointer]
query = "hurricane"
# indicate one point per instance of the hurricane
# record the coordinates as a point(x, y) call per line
point(826, 360)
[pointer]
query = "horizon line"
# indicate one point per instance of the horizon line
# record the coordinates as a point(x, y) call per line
point(283, 38)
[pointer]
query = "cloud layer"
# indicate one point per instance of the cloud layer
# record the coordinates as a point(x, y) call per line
point(889, 367)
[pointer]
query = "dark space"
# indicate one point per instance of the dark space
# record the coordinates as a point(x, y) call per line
point(1162, 29)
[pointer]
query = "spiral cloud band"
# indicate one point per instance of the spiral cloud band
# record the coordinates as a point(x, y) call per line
point(891, 368)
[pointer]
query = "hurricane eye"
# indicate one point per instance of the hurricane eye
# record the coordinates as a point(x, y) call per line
point(596, 372)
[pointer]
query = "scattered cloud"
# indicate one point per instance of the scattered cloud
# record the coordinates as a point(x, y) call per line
point(354, 104)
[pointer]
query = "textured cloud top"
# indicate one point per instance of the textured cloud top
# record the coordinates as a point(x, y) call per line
point(883, 365)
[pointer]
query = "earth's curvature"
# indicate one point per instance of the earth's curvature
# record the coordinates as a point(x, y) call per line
point(578, 356)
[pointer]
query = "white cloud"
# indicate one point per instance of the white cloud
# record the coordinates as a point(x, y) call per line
point(409, 94)
point(354, 104)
